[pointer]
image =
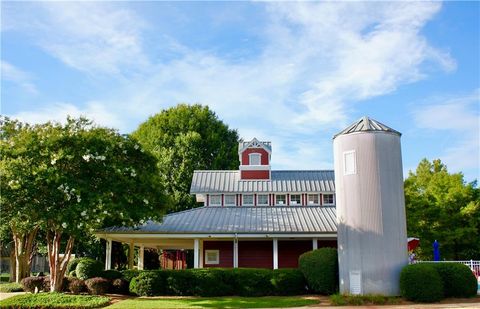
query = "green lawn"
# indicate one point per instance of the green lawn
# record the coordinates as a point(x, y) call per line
point(10, 287)
point(54, 300)
point(216, 302)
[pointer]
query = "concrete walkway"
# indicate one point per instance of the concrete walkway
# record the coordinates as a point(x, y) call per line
point(8, 295)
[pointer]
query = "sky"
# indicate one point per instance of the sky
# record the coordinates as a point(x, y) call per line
point(290, 73)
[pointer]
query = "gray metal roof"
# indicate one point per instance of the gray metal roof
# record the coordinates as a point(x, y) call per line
point(365, 124)
point(282, 181)
point(254, 220)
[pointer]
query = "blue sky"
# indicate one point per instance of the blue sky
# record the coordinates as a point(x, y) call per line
point(291, 73)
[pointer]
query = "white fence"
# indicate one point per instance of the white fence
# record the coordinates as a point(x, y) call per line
point(474, 265)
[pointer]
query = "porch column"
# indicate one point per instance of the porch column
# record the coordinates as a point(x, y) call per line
point(275, 253)
point(141, 250)
point(235, 253)
point(201, 254)
point(314, 243)
point(196, 253)
point(131, 248)
point(108, 254)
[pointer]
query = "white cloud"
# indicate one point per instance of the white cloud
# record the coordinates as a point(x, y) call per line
point(18, 76)
point(459, 118)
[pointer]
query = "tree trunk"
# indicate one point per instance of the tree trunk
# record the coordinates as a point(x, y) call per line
point(58, 265)
point(13, 267)
point(23, 246)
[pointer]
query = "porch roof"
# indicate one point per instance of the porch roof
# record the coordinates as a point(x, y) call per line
point(241, 220)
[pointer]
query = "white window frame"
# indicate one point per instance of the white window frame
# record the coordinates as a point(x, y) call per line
point(234, 200)
point(243, 200)
point(308, 199)
point(295, 202)
point(254, 155)
point(216, 204)
point(345, 154)
point(333, 199)
point(258, 199)
point(276, 200)
point(212, 262)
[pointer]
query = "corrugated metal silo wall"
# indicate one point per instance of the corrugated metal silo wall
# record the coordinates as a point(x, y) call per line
point(371, 212)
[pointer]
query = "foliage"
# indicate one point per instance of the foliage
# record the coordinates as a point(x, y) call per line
point(30, 284)
point(10, 287)
point(54, 300)
point(288, 282)
point(187, 138)
point(72, 179)
point(73, 273)
point(421, 282)
point(217, 302)
point(363, 300)
point(72, 265)
point(88, 268)
point(441, 206)
point(218, 282)
point(76, 286)
point(458, 279)
point(111, 274)
point(119, 286)
point(320, 268)
point(129, 274)
point(97, 285)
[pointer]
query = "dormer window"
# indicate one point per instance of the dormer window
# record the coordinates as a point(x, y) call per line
point(254, 159)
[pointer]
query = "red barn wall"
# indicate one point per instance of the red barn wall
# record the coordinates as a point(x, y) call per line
point(255, 254)
point(255, 174)
point(290, 250)
point(263, 152)
point(225, 250)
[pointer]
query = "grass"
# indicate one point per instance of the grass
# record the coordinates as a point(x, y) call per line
point(216, 302)
point(54, 300)
point(360, 300)
point(10, 287)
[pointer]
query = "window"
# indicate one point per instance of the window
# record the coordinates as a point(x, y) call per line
point(254, 159)
point(262, 199)
point(212, 257)
point(295, 199)
point(349, 164)
point(328, 199)
point(280, 199)
point(215, 200)
point(247, 199)
point(313, 199)
point(230, 200)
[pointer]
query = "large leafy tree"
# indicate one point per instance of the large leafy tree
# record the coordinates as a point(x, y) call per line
point(68, 180)
point(185, 138)
point(441, 206)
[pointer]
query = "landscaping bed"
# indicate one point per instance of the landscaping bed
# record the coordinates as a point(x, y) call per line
point(10, 287)
point(54, 300)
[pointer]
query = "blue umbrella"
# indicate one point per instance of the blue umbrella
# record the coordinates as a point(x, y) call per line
point(436, 251)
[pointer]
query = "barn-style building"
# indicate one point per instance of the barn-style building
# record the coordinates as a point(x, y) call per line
point(251, 217)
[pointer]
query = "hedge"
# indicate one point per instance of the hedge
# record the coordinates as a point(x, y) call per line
point(458, 280)
point(97, 286)
point(218, 282)
point(72, 265)
point(421, 282)
point(320, 268)
point(88, 268)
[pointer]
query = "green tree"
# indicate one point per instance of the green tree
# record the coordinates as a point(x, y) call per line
point(441, 206)
point(69, 180)
point(183, 139)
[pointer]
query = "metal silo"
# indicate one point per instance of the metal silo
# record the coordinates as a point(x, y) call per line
point(372, 240)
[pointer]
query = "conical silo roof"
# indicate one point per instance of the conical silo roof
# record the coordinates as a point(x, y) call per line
point(366, 124)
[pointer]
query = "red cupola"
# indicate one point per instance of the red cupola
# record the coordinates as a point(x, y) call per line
point(254, 159)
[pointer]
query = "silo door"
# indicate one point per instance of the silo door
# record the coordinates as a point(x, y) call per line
point(355, 282)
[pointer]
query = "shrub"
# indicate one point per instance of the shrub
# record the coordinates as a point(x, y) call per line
point(73, 273)
point(149, 283)
point(421, 282)
point(253, 282)
point(119, 286)
point(458, 280)
point(10, 287)
point(288, 282)
point(320, 268)
point(88, 268)
point(46, 284)
point(181, 282)
point(72, 265)
point(129, 274)
point(97, 285)
point(76, 286)
point(111, 274)
point(213, 282)
point(30, 283)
